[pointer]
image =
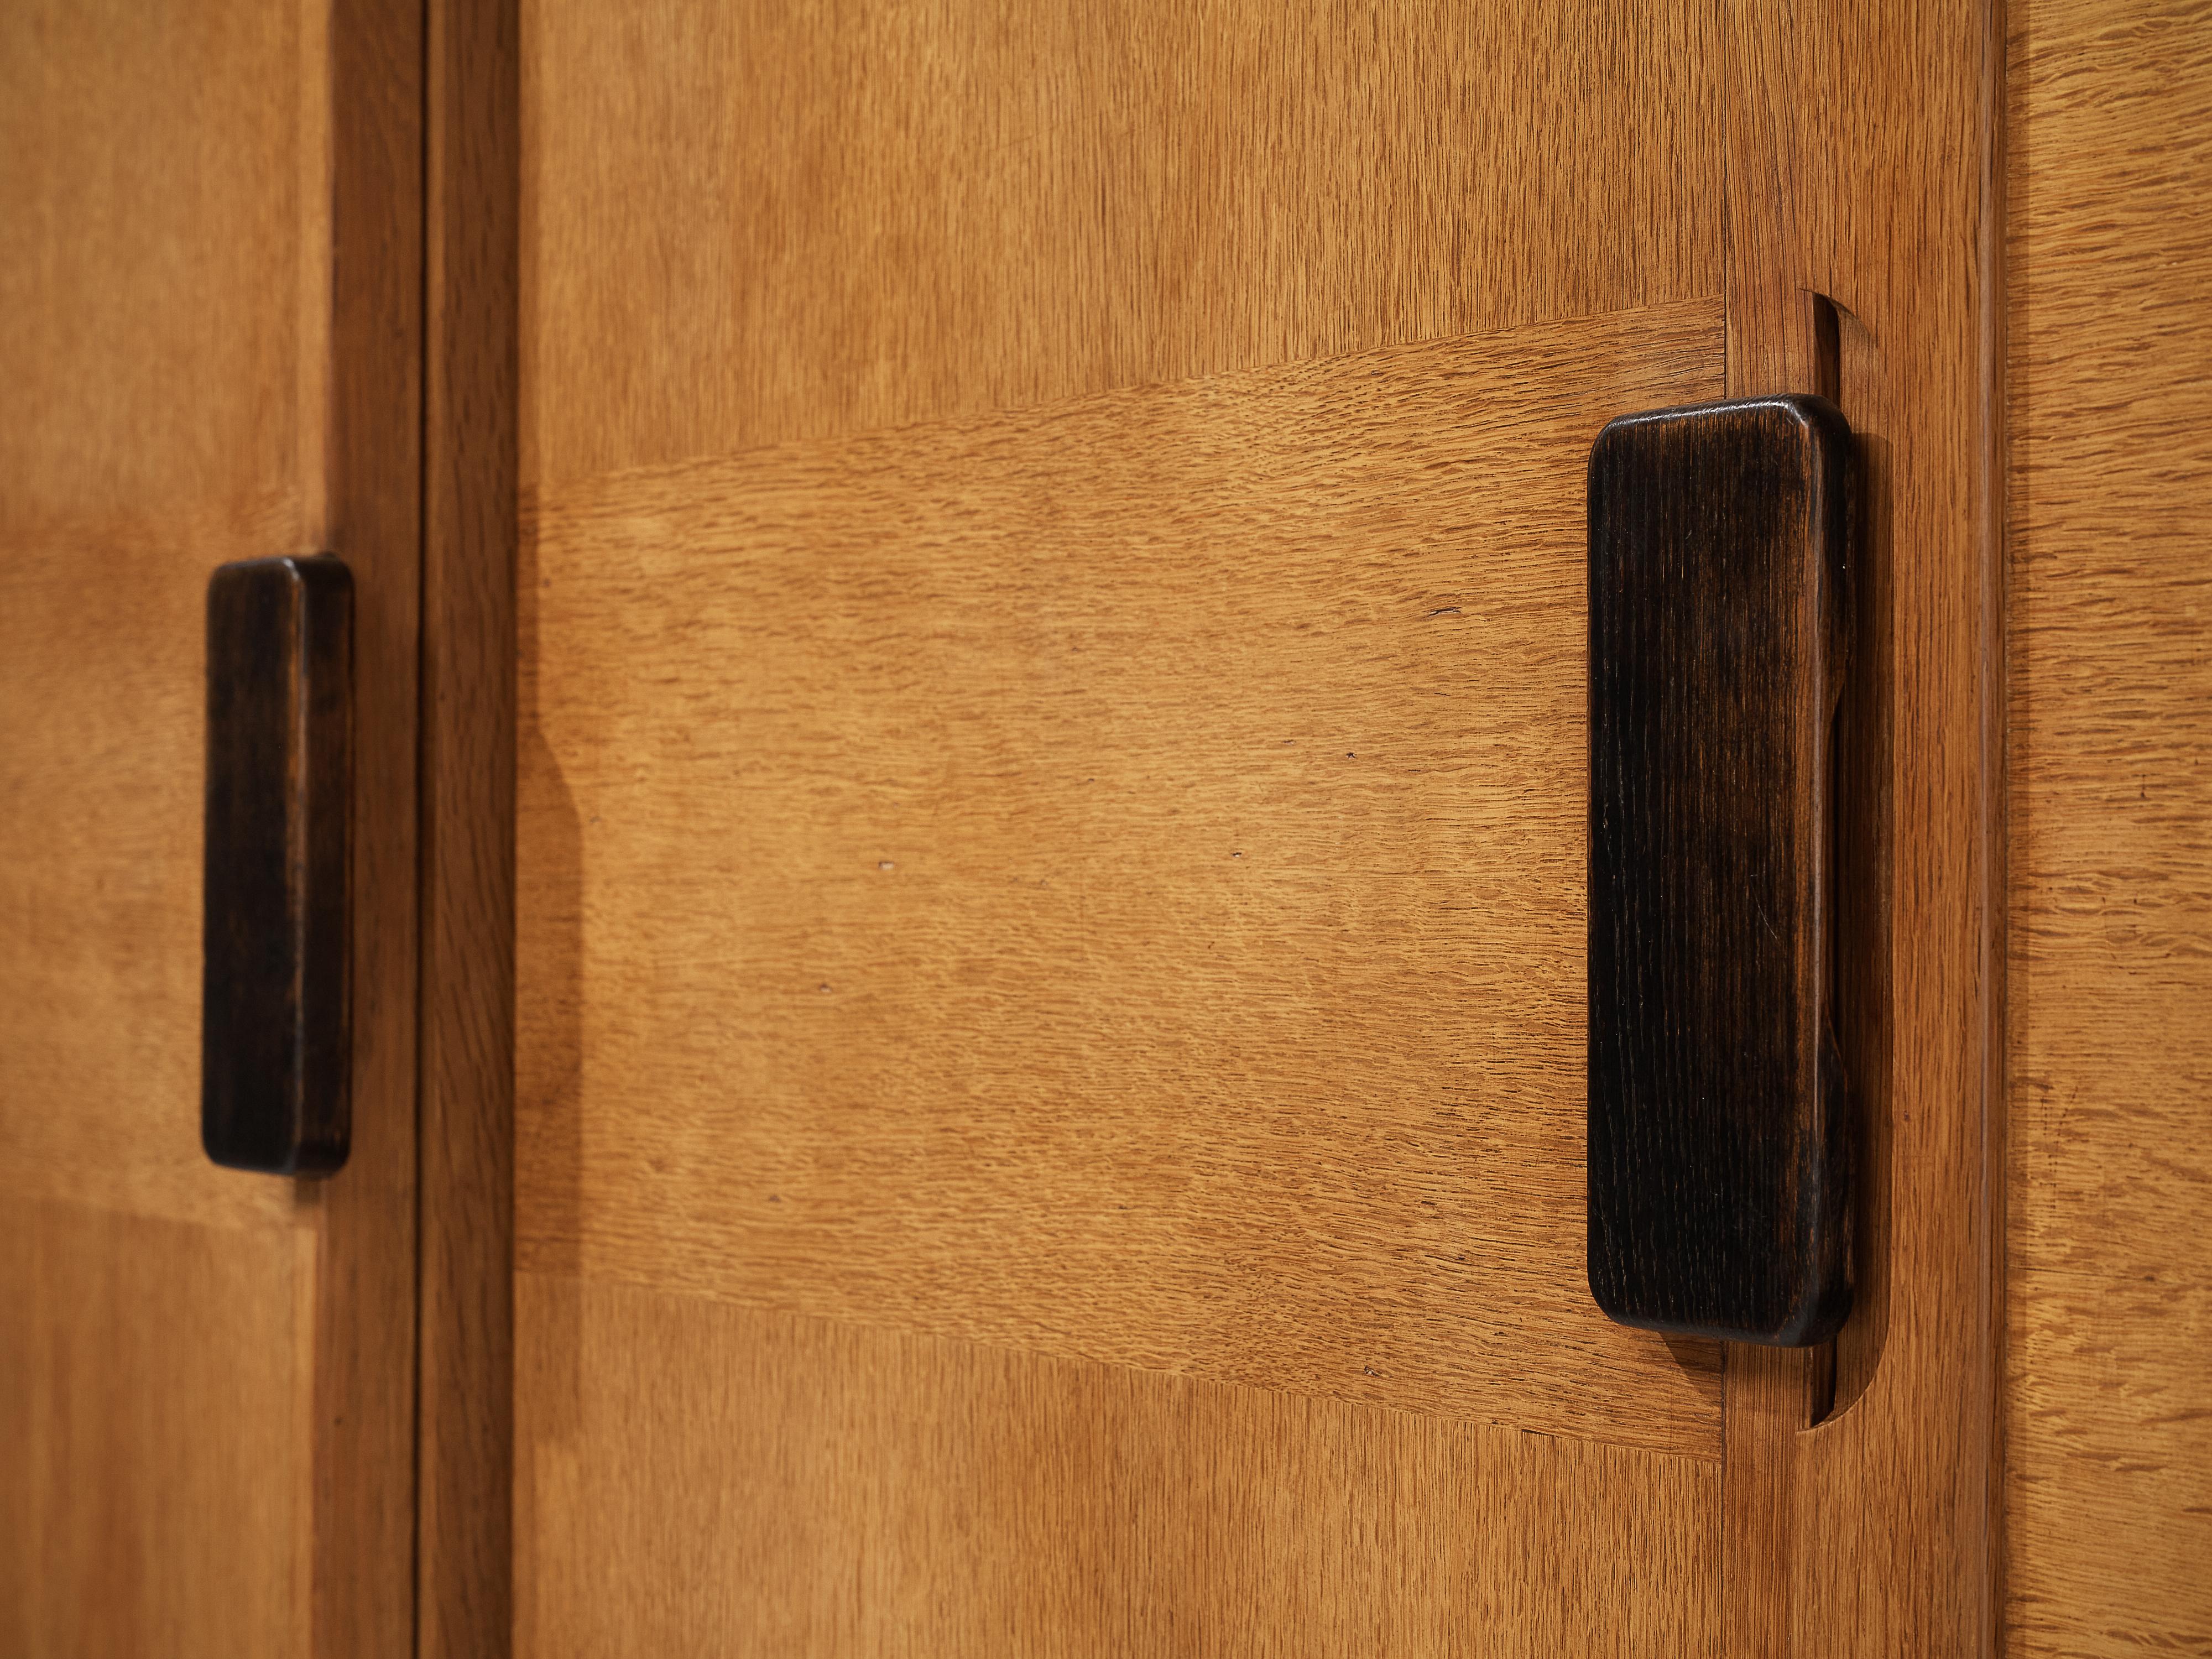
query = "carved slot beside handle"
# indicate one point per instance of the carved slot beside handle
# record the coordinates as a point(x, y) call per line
point(276, 1058)
point(1719, 1152)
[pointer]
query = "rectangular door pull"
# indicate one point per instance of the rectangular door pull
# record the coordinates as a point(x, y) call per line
point(274, 1049)
point(1720, 569)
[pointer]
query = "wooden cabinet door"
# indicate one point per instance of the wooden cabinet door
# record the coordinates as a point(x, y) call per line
point(1050, 847)
point(208, 218)
point(1051, 1018)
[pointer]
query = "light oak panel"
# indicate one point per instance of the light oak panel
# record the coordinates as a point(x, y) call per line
point(787, 1484)
point(1107, 881)
point(166, 342)
point(101, 772)
point(752, 223)
point(2107, 1394)
point(164, 180)
point(150, 1404)
point(164, 359)
point(775, 224)
point(213, 213)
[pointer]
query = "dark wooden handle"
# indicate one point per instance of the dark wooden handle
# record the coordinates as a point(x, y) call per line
point(1720, 571)
point(276, 1057)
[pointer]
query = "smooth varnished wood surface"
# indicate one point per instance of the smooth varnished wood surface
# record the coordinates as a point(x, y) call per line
point(151, 1407)
point(779, 1483)
point(168, 262)
point(153, 1369)
point(100, 993)
point(1106, 880)
point(883, 219)
point(128, 377)
point(1719, 1150)
point(750, 223)
point(1862, 143)
point(2107, 1392)
point(211, 211)
point(1854, 153)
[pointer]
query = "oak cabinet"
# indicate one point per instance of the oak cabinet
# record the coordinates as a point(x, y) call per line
point(969, 847)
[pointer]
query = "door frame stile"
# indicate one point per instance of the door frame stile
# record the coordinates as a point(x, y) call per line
point(361, 1590)
point(1864, 156)
point(465, 1450)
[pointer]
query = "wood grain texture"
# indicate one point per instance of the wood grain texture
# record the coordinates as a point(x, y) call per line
point(364, 1356)
point(100, 877)
point(162, 345)
point(1107, 881)
point(789, 1485)
point(758, 223)
point(151, 1406)
point(166, 192)
point(1719, 1151)
point(212, 211)
point(1861, 146)
point(2107, 1393)
point(465, 1444)
point(159, 262)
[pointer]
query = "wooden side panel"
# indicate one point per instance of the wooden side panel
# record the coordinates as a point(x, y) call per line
point(163, 359)
point(773, 1484)
point(160, 360)
point(763, 221)
point(1108, 881)
point(211, 210)
point(2107, 1390)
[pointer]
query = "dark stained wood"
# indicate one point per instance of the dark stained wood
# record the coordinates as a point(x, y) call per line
point(1719, 1148)
point(364, 1357)
point(275, 1024)
point(464, 1452)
